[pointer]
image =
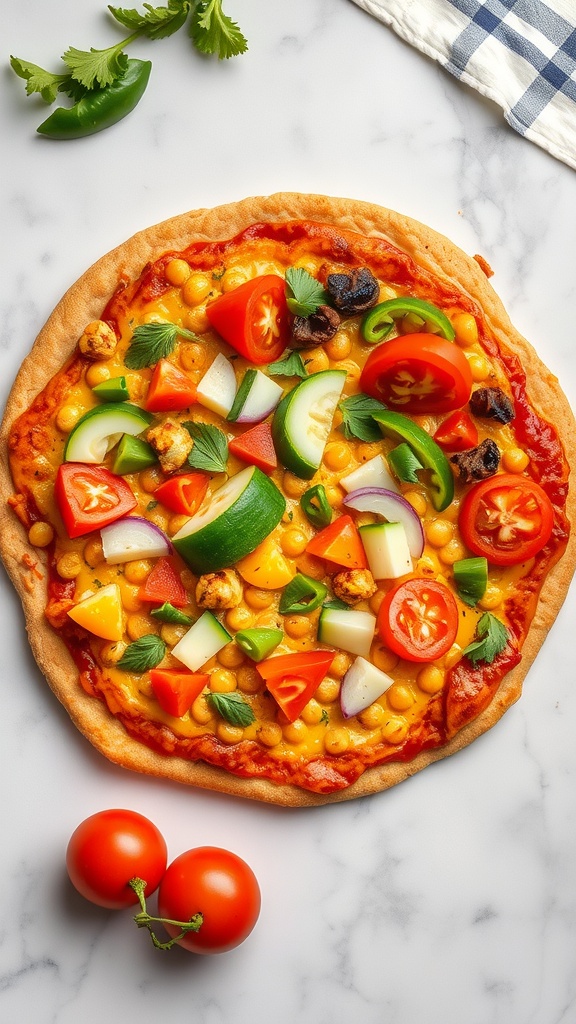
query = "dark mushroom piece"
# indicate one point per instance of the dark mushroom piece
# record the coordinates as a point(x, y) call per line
point(493, 404)
point(353, 293)
point(316, 328)
point(477, 463)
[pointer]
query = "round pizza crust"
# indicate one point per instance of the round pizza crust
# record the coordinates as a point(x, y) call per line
point(85, 300)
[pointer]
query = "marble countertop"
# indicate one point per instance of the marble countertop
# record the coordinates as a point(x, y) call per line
point(453, 896)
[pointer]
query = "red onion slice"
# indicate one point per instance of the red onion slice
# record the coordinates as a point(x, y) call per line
point(392, 507)
point(133, 537)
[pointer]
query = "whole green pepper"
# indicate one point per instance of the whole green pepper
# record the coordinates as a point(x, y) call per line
point(379, 321)
point(400, 428)
point(99, 108)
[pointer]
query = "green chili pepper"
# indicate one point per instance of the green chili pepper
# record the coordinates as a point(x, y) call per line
point(113, 390)
point(302, 595)
point(400, 428)
point(404, 463)
point(316, 507)
point(99, 108)
point(258, 643)
point(379, 321)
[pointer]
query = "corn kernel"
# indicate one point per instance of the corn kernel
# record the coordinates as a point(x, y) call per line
point(177, 272)
point(515, 460)
point(40, 535)
point(430, 679)
point(453, 656)
point(336, 741)
point(466, 329)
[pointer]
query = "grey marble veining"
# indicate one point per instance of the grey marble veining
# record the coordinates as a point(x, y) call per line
point(453, 896)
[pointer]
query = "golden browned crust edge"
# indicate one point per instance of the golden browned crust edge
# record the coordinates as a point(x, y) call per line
point(86, 299)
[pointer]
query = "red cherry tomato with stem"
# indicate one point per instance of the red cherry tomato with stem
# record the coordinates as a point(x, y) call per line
point(217, 884)
point(418, 620)
point(507, 518)
point(110, 848)
point(418, 373)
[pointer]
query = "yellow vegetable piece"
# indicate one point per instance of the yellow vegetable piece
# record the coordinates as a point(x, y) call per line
point(266, 566)
point(101, 613)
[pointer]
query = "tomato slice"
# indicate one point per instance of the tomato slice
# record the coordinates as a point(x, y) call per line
point(457, 432)
point(183, 494)
point(170, 389)
point(339, 543)
point(418, 620)
point(253, 318)
point(90, 497)
point(176, 691)
point(418, 373)
point(292, 679)
point(164, 584)
point(507, 518)
point(256, 447)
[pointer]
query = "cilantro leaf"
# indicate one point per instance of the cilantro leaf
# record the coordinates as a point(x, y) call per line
point(305, 292)
point(291, 366)
point(143, 654)
point(491, 639)
point(210, 451)
point(38, 80)
point(151, 342)
point(212, 31)
point(155, 22)
point(233, 707)
point(96, 67)
point(357, 417)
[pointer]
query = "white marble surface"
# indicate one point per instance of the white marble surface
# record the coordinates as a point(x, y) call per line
point(452, 897)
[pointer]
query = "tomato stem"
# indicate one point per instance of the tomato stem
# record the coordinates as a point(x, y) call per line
point(145, 920)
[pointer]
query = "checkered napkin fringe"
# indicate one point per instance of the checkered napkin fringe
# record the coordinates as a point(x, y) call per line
point(519, 53)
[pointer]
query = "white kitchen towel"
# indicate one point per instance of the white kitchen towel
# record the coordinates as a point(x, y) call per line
point(519, 53)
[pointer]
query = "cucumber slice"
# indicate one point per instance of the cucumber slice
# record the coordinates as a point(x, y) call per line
point(101, 428)
point(255, 399)
point(132, 455)
point(387, 550)
point(303, 420)
point(236, 519)
point(374, 473)
point(347, 628)
point(202, 641)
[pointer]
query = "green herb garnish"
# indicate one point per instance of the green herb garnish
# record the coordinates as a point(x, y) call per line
point(143, 654)
point(357, 417)
point(212, 31)
point(168, 613)
point(491, 639)
point(404, 463)
point(210, 451)
point(291, 366)
point(305, 293)
point(232, 707)
point(152, 342)
point(156, 22)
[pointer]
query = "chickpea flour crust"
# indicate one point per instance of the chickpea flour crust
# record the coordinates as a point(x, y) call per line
point(173, 273)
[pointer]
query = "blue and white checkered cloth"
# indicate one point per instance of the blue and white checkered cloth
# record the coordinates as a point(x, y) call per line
point(519, 53)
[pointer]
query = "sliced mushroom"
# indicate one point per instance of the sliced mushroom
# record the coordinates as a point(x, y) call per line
point(316, 328)
point(354, 292)
point(478, 463)
point(493, 404)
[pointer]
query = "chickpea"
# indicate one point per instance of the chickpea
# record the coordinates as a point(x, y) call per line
point(295, 732)
point(395, 730)
point(196, 288)
point(375, 601)
point(452, 552)
point(293, 542)
point(491, 598)
point(384, 659)
point(192, 356)
point(430, 679)
point(239, 618)
point(339, 347)
point(171, 633)
point(177, 272)
point(248, 679)
point(311, 566)
point(439, 532)
point(40, 535)
point(418, 502)
point(96, 374)
point(293, 486)
point(340, 664)
point(233, 278)
point(137, 571)
point(466, 329)
point(222, 681)
point(67, 417)
point(372, 716)
point(258, 599)
point(231, 656)
point(337, 455)
point(69, 565)
point(138, 626)
point(316, 359)
point(200, 711)
point(351, 367)
point(297, 626)
point(336, 741)
point(197, 321)
point(229, 733)
point(515, 460)
point(312, 713)
point(188, 579)
point(111, 653)
point(176, 523)
point(400, 697)
point(149, 479)
point(93, 553)
point(367, 451)
point(479, 367)
point(269, 733)
point(328, 691)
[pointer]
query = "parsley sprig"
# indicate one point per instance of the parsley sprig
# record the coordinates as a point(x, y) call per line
point(152, 342)
point(143, 654)
point(291, 365)
point(210, 29)
point(232, 707)
point(305, 293)
point(491, 638)
point(357, 418)
point(210, 451)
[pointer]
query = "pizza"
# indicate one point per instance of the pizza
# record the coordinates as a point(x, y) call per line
point(285, 498)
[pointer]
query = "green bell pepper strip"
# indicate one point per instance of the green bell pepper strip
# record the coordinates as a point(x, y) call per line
point(379, 321)
point(168, 613)
point(99, 108)
point(471, 578)
point(302, 595)
point(133, 455)
point(316, 507)
point(113, 390)
point(399, 428)
point(404, 463)
point(258, 643)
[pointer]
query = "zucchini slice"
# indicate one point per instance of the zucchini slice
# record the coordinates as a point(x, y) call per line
point(303, 420)
point(101, 428)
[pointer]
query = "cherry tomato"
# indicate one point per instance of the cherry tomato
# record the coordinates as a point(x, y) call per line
point(418, 373)
point(90, 497)
point(110, 848)
point(418, 620)
point(253, 318)
point(457, 432)
point(507, 518)
point(219, 885)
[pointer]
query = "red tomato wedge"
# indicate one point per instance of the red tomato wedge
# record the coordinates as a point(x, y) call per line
point(256, 447)
point(253, 318)
point(418, 620)
point(90, 497)
point(170, 389)
point(457, 432)
point(176, 691)
point(164, 584)
point(184, 493)
point(292, 679)
point(418, 373)
point(339, 543)
point(508, 518)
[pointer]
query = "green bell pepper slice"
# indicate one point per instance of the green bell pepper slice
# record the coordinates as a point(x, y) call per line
point(113, 390)
point(399, 428)
point(379, 321)
point(99, 108)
